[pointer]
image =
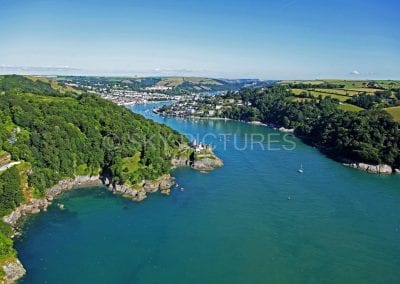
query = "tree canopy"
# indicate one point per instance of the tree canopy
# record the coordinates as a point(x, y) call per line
point(368, 136)
point(64, 135)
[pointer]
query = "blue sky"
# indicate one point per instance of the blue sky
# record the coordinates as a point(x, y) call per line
point(283, 39)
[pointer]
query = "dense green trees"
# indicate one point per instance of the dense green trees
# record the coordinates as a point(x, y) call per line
point(368, 136)
point(10, 190)
point(62, 135)
point(6, 246)
point(379, 100)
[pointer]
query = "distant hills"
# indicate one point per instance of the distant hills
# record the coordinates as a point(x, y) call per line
point(176, 85)
point(209, 84)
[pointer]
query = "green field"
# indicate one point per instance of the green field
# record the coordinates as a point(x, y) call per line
point(349, 107)
point(312, 82)
point(347, 88)
point(388, 84)
point(297, 92)
point(362, 90)
point(349, 84)
point(395, 112)
point(342, 90)
point(369, 86)
point(317, 94)
point(54, 84)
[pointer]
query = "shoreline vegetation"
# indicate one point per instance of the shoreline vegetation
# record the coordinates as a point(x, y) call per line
point(369, 168)
point(368, 140)
point(13, 269)
point(55, 138)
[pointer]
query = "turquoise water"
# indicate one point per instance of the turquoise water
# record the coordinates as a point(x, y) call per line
point(256, 220)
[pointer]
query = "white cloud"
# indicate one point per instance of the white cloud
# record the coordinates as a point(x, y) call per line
point(354, 72)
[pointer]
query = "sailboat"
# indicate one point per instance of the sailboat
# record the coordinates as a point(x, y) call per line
point(301, 169)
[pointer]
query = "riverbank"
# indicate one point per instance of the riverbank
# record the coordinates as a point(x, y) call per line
point(368, 136)
point(35, 205)
point(12, 267)
point(333, 213)
point(14, 270)
point(383, 169)
point(374, 169)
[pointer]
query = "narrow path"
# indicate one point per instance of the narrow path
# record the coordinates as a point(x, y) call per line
point(9, 165)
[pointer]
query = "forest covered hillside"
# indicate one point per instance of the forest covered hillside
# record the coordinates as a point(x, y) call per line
point(49, 132)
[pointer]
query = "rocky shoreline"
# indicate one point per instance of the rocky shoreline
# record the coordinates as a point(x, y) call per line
point(14, 270)
point(139, 192)
point(34, 205)
point(373, 169)
point(135, 192)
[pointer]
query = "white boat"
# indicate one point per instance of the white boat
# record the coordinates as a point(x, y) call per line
point(301, 169)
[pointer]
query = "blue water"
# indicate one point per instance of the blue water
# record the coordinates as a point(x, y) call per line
point(256, 220)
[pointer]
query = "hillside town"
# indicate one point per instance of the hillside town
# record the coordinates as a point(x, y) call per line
point(123, 95)
point(200, 106)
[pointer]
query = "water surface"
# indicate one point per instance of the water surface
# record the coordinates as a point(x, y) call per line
point(256, 220)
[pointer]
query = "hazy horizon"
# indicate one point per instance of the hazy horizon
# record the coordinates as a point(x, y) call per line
point(77, 74)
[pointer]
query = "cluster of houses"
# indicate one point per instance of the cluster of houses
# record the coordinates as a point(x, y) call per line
point(202, 106)
point(122, 95)
point(158, 88)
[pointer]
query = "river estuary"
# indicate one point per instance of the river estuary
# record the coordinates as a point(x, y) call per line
point(255, 220)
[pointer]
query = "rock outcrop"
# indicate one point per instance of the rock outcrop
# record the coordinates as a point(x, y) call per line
point(180, 162)
point(68, 184)
point(207, 164)
point(13, 270)
point(34, 206)
point(127, 191)
point(375, 169)
point(139, 192)
point(286, 130)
